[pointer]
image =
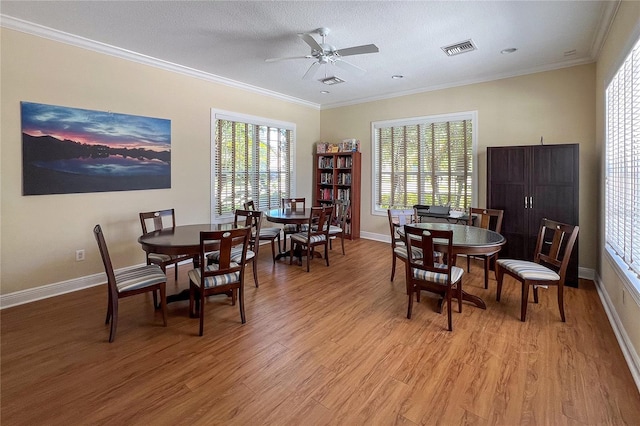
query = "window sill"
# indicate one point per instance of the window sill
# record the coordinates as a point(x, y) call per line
point(629, 278)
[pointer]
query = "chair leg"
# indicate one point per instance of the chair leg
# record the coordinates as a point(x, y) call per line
point(109, 312)
point(449, 319)
point(342, 242)
point(114, 320)
point(255, 270)
point(535, 294)
point(326, 253)
point(525, 300)
point(201, 313)
point(486, 272)
point(163, 302)
point(241, 303)
point(393, 266)
point(460, 295)
point(176, 270)
point(499, 277)
point(309, 252)
point(561, 301)
point(410, 304)
point(273, 249)
point(468, 263)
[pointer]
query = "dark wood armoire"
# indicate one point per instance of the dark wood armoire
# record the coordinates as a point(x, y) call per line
point(530, 183)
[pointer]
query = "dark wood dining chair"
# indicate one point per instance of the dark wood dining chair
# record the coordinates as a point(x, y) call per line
point(425, 274)
point(339, 223)
point(488, 219)
point(549, 267)
point(155, 221)
point(224, 277)
point(267, 233)
point(295, 204)
point(244, 218)
point(129, 282)
point(399, 218)
point(316, 234)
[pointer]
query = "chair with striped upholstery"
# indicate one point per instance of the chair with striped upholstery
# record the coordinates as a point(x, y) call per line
point(549, 267)
point(224, 277)
point(316, 234)
point(155, 221)
point(253, 220)
point(422, 273)
point(129, 282)
point(339, 223)
point(487, 219)
point(298, 203)
point(266, 233)
point(397, 219)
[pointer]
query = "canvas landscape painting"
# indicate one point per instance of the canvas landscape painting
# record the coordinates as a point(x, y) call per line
point(72, 150)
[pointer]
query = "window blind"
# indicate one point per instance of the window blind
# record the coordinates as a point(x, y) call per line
point(622, 198)
point(251, 162)
point(423, 161)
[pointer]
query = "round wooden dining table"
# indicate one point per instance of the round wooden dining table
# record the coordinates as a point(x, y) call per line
point(288, 217)
point(466, 240)
point(182, 239)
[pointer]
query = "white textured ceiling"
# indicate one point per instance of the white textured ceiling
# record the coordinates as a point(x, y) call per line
point(232, 39)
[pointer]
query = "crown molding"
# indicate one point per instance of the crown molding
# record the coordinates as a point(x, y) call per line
point(12, 23)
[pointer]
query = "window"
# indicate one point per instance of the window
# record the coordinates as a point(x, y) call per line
point(252, 160)
point(622, 185)
point(424, 160)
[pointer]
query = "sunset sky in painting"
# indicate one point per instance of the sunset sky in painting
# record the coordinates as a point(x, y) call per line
point(96, 127)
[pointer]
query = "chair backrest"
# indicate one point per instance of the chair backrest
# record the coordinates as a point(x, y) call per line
point(554, 245)
point(341, 213)
point(398, 218)
point(319, 221)
point(224, 241)
point(249, 205)
point(424, 240)
point(159, 219)
point(251, 219)
point(293, 203)
point(486, 218)
point(106, 260)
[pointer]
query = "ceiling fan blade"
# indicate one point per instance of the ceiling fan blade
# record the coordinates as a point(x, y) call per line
point(311, 41)
point(311, 71)
point(358, 50)
point(349, 67)
point(286, 59)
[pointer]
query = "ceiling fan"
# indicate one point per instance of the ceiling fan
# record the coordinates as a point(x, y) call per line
point(327, 54)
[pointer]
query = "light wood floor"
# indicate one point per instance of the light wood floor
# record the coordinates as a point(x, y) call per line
point(332, 346)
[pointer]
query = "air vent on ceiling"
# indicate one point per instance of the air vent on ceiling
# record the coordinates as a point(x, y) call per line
point(332, 80)
point(458, 48)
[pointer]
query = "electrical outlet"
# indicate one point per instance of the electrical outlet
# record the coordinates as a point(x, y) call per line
point(79, 255)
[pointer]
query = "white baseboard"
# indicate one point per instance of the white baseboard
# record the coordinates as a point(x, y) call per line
point(56, 289)
point(629, 352)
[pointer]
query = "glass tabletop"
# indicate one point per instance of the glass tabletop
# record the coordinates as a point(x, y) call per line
point(464, 235)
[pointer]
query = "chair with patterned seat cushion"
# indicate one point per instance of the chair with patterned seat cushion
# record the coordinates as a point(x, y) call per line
point(253, 220)
point(293, 204)
point(224, 277)
point(397, 219)
point(425, 274)
point(549, 267)
point(266, 233)
point(129, 282)
point(155, 221)
point(339, 223)
point(317, 234)
point(487, 219)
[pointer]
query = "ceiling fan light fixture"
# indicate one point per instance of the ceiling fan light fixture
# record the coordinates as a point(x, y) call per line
point(330, 81)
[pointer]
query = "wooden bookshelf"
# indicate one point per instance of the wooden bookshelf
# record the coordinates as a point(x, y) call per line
point(337, 175)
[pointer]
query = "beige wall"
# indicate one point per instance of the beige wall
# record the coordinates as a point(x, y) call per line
point(621, 38)
point(40, 234)
point(557, 105)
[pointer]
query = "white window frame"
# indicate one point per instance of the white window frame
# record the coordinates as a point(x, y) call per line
point(629, 278)
point(217, 114)
point(465, 115)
